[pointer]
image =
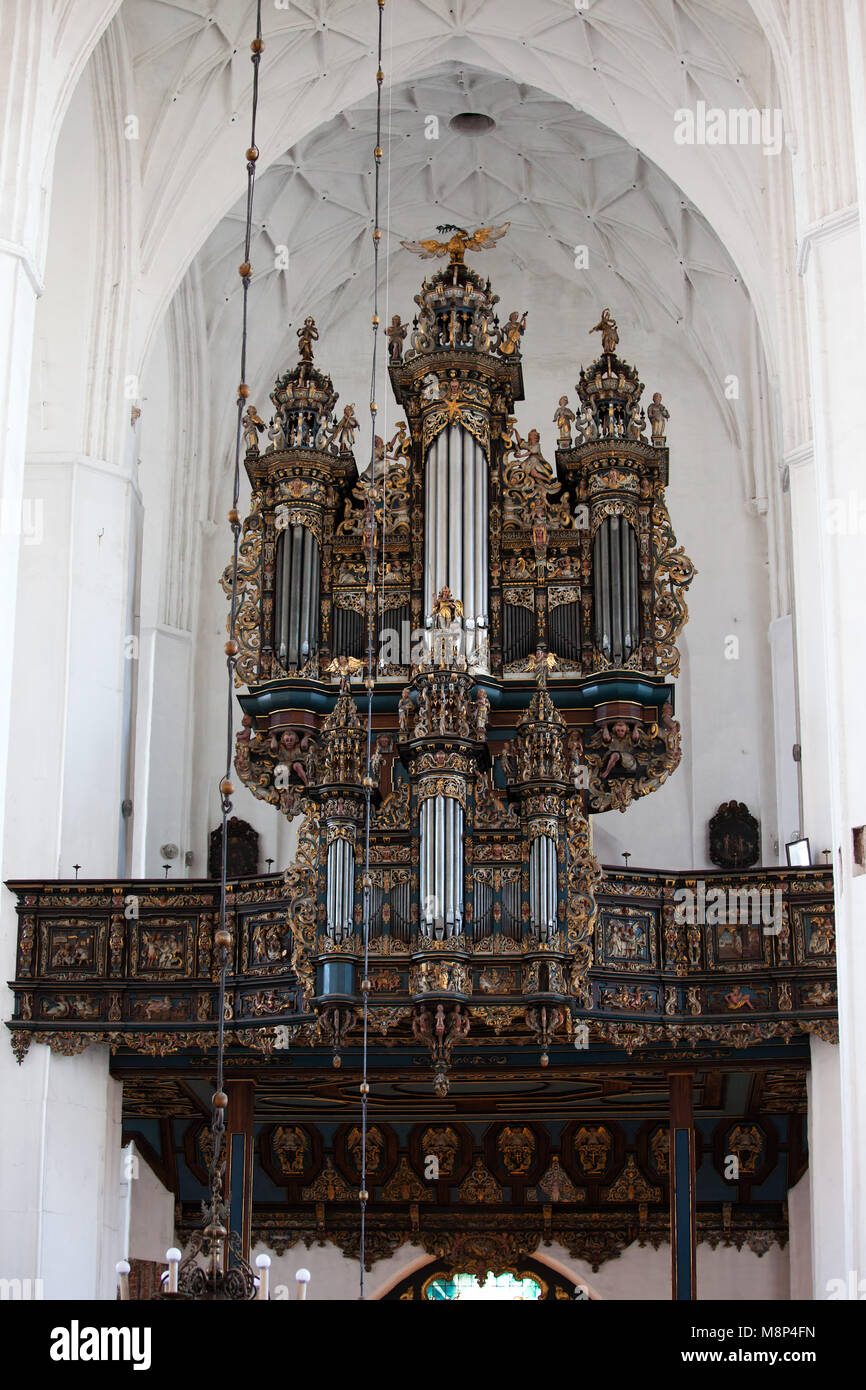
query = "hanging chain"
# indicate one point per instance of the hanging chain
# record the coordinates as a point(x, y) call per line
point(222, 937)
point(371, 624)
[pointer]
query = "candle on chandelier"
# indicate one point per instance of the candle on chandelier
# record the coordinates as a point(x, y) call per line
point(263, 1265)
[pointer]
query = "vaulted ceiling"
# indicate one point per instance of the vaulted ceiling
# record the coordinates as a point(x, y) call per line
point(590, 216)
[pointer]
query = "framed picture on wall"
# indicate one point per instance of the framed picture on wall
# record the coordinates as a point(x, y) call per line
point(798, 853)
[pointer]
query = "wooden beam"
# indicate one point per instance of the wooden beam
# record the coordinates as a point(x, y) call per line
point(240, 1154)
point(682, 1187)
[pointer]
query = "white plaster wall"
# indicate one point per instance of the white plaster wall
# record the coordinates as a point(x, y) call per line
point(800, 1237)
point(151, 1215)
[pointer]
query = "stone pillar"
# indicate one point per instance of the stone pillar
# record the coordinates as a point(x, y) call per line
point(826, 1179)
point(72, 662)
point(60, 1175)
point(828, 49)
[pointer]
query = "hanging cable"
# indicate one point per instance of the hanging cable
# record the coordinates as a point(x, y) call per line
point(384, 435)
point(371, 623)
point(222, 937)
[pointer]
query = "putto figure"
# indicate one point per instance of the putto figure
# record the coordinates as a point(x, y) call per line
point(306, 337)
point(344, 432)
point(396, 335)
point(254, 425)
point(606, 326)
point(512, 333)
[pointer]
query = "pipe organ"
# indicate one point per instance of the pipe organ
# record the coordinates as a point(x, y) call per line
point(522, 619)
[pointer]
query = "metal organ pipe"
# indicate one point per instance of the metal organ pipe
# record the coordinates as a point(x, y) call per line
point(551, 885)
point(543, 885)
point(341, 888)
point(469, 539)
point(456, 451)
point(441, 507)
point(616, 589)
point(455, 520)
point(306, 591)
point(481, 545)
point(296, 595)
point(439, 885)
point(616, 575)
point(441, 867)
point(627, 634)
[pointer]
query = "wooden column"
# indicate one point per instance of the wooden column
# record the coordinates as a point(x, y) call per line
point(682, 1186)
point(238, 1185)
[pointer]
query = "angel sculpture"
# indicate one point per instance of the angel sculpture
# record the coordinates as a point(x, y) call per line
point(446, 608)
point(542, 662)
point(254, 425)
point(606, 326)
point(484, 239)
point(345, 667)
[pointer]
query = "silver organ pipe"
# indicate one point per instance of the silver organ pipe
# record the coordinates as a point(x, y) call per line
point(296, 596)
point(340, 895)
point(293, 613)
point(543, 885)
point(455, 520)
point(615, 589)
point(604, 586)
point(440, 512)
point(449, 866)
point(615, 586)
point(634, 580)
point(627, 633)
point(306, 592)
point(552, 894)
point(345, 915)
point(457, 446)
point(480, 583)
point(315, 599)
point(431, 868)
point(441, 877)
point(468, 539)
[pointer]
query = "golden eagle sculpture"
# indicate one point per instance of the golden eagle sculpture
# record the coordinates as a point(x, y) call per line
point(460, 241)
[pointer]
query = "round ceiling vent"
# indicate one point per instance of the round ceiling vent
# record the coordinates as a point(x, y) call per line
point(472, 123)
